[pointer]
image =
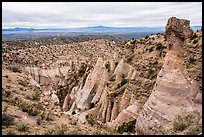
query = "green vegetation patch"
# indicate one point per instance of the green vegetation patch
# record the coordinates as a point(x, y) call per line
point(90, 120)
point(107, 65)
point(36, 96)
point(123, 81)
point(195, 130)
point(31, 109)
point(179, 124)
point(127, 127)
point(23, 83)
point(10, 132)
point(159, 46)
point(189, 121)
point(130, 58)
point(195, 41)
point(194, 36)
point(151, 49)
point(91, 105)
point(22, 127)
point(14, 69)
point(7, 119)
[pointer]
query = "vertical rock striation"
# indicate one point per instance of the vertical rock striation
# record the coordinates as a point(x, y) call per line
point(170, 95)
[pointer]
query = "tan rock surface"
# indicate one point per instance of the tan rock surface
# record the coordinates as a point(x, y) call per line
point(168, 98)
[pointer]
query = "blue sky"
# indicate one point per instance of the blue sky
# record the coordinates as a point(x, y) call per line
point(83, 14)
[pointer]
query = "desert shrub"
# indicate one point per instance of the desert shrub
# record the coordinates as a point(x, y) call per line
point(82, 69)
point(48, 132)
point(150, 74)
point(130, 58)
point(23, 83)
point(21, 88)
point(39, 120)
point(60, 87)
point(7, 119)
point(155, 62)
point(127, 127)
point(195, 41)
point(61, 130)
point(181, 123)
point(8, 86)
point(151, 49)
point(24, 107)
point(159, 46)
point(191, 59)
point(194, 130)
point(123, 81)
point(63, 90)
point(5, 109)
point(33, 111)
point(114, 94)
point(73, 112)
point(81, 72)
point(36, 96)
point(194, 36)
point(10, 132)
point(7, 93)
point(15, 69)
point(91, 105)
point(22, 127)
point(146, 37)
point(161, 131)
point(116, 63)
point(8, 80)
point(90, 120)
point(179, 126)
point(107, 65)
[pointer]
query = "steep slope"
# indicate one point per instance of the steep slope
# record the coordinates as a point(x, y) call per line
point(172, 94)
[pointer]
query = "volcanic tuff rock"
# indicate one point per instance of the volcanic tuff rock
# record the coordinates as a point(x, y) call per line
point(112, 100)
point(102, 82)
point(170, 95)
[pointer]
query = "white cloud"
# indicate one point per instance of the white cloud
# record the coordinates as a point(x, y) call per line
point(82, 14)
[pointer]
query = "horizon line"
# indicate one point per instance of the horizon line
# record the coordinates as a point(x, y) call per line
point(99, 26)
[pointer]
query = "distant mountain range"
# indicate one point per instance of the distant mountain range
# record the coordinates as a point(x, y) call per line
point(123, 32)
point(83, 28)
point(95, 28)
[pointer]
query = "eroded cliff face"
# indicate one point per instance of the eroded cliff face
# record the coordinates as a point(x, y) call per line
point(110, 94)
point(108, 88)
point(172, 94)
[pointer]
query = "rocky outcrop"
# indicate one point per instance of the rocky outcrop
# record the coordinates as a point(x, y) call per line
point(46, 77)
point(126, 115)
point(177, 30)
point(170, 95)
point(86, 94)
point(112, 100)
point(89, 90)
